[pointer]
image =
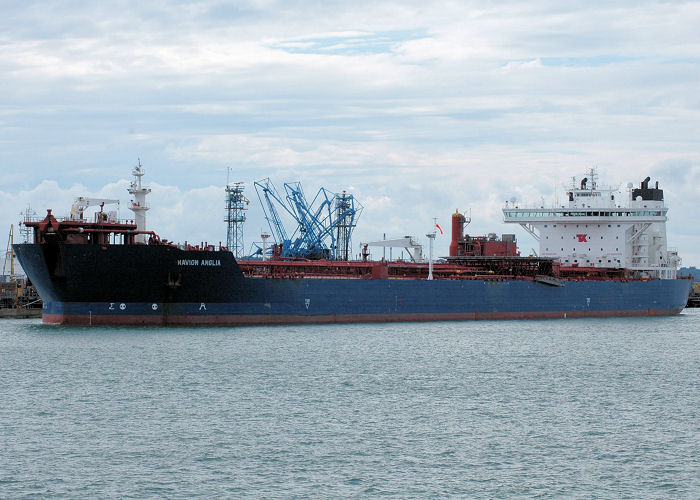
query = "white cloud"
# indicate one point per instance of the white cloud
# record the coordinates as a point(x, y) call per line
point(515, 65)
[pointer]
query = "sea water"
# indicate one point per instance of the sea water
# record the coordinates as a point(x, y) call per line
point(568, 408)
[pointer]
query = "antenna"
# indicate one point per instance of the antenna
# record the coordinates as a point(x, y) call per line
point(27, 216)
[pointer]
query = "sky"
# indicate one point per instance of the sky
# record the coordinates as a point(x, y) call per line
point(416, 108)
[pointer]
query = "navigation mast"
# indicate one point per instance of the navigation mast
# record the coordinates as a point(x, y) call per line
point(138, 204)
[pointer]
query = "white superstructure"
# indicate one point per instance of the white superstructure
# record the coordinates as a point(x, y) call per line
point(602, 227)
point(138, 204)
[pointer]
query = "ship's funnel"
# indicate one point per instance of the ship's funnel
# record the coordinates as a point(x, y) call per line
point(457, 232)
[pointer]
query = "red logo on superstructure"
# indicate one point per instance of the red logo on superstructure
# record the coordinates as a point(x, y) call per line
point(582, 237)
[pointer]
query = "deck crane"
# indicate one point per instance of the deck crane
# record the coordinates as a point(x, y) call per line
point(10, 253)
point(81, 204)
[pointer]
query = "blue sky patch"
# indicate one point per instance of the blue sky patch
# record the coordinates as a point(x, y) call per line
point(349, 43)
point(590, 61)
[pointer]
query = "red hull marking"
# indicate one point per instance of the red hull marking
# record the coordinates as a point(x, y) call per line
point(289, 319)
point(96, 319)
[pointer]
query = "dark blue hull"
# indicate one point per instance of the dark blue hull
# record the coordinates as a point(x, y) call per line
point(88, 284)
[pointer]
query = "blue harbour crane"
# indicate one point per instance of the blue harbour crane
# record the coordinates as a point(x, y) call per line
point(323, 228)
point(269, 200)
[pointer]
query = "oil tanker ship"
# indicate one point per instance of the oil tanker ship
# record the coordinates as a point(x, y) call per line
point(597, 257)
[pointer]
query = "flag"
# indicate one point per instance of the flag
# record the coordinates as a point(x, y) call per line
point(438, 226)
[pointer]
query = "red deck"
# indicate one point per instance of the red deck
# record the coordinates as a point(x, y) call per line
point(472, 268)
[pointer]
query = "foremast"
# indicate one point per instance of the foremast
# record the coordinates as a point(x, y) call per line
point(138, 204)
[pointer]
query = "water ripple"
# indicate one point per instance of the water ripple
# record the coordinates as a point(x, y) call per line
point(577, 408)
